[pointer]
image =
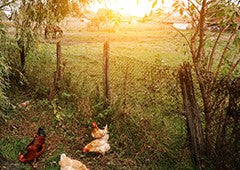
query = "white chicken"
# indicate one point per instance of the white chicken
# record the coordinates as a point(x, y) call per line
point(67, 163)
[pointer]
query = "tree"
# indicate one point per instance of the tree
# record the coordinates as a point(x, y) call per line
point(30, 15)
point(105, 20)
point(57, 10)
point(214, 68)
point(28, 19)
point(75, 9)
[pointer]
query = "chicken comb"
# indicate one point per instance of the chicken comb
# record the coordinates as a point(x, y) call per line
point(94, 124)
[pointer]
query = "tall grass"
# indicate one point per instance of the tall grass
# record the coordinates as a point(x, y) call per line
point(40, 67)
point(7, 51)
point(144, 117)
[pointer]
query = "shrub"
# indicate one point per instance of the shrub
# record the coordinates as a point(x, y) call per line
point(40, 69)
point(5, 42)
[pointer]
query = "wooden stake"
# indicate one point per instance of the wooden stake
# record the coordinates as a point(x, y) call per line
point(58, 72)
point(106, 72)
point(193, 120)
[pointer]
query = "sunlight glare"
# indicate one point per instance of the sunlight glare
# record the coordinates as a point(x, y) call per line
point(130, 7)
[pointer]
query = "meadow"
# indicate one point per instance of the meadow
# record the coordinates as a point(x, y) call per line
point(146, 123)
point(169, 96)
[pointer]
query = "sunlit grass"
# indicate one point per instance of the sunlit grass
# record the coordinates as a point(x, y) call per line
point(145, 46)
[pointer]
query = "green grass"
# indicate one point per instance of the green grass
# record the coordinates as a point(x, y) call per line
point(149, 59)
point(144, 46)
point(10, 148)
point(134, 50)
point(147, 130)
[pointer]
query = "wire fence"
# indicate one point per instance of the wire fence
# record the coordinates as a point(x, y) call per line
point(146, 87)
point(136, 84)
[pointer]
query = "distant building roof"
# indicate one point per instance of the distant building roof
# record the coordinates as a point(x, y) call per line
point(175, 18)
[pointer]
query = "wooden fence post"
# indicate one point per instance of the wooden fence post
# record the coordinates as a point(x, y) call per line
point(58, 72)
point(194, 125)
point(125, 83)
point(106, 72)
point(59, 63)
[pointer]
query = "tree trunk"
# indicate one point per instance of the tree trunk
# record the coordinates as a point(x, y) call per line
point(22, 55)
point(192, 115)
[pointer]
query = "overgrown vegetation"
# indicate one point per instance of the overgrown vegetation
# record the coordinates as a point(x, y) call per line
point(4, 70)
point(7, 50)
point(147, 124)
point(214, 68)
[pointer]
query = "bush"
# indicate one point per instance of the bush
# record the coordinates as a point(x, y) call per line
point(5, 43)
point(40, 68)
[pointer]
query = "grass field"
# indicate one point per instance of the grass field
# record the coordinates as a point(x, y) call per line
point(167, 45)
point(83, 53)
point(147, 130)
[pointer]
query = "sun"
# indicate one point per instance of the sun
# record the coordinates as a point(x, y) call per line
point(138, 8)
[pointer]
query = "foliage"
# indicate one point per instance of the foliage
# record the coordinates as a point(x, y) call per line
point(57, 10)
point(144, 120)
point(215, 73)
point(105, 20)
point(28, 19)
point(40, 62)
point(75, 10)
point(5, 52)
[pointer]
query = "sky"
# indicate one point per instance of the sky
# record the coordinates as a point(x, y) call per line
point(131, 8)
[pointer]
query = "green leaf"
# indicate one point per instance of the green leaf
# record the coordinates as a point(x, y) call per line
point(154, 3)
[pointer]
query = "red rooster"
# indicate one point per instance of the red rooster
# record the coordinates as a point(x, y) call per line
point(35, 148)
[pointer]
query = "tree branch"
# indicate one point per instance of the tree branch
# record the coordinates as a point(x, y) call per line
point(222, 57)
point(193, 44)
point(201, 29)
point(194, 6)
point(209, 2)
point(182, 36)
point(6, 4)
point(232, 69)
point(214, 48)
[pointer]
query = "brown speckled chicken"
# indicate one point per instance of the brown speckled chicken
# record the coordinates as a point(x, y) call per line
point(97, 132)
point(100, 145)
